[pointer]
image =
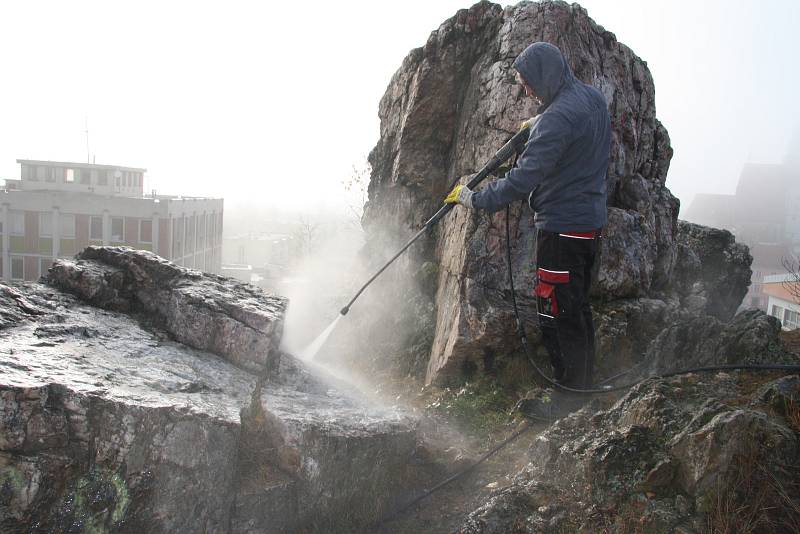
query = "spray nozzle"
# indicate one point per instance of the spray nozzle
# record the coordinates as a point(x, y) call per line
point(344, 310)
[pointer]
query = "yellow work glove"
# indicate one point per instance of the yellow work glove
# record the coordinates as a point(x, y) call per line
point(530, 122)
point(460, 194)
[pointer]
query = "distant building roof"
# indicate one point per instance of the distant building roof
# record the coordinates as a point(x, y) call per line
point(780, 290)
point(78, 165)
point(778, 278)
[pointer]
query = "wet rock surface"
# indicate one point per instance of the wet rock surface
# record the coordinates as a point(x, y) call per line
point(111, 422)
point(107, 426)
point(207, 312)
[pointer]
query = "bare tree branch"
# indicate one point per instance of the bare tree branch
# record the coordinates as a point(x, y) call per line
point(792, 283)
point(356, 186)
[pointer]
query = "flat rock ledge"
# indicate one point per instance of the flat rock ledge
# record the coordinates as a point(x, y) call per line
point(221, 315)
point(110, 422)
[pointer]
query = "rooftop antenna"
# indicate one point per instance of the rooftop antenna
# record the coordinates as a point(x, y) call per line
point(88, 157)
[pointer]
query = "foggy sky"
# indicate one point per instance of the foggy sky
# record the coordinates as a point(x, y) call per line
point(271, 104)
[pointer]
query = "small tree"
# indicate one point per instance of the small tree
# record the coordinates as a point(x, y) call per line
point(792, 283)
point(355, 186)
point(307, 234)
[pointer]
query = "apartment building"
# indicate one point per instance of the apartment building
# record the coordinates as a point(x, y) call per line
point(57, 209)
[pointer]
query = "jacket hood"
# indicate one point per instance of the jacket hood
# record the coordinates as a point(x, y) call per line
point(543, 66)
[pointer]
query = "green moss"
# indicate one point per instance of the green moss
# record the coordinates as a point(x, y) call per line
point(99, 502)
point(12, 482)
point(481, 405)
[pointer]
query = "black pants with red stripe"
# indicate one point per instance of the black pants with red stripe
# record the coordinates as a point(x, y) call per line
point(564, 275)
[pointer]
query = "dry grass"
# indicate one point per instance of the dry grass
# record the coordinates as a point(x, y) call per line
point(792, 414)
point(791, 341)
point(757, 500)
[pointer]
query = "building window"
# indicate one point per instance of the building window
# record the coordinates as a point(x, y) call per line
point(94, 177)
point(777, 311)
point(117, 228)
point(103, 178)
point(86, 176)
point(201, 232)
point(791, 319)
point(66, 226)
point(190, 234)
point(17, 223)
point(70, 176)
point(177, 237)
point(145, 231)
point(96, 228)
point(52, 174)
point(117, 179)
point(45, 224)
point(41, 173)
point(17, 268)
point(212, 230)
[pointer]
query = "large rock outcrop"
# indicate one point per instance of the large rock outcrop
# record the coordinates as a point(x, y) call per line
point(451, 104)
point(207, 312)
point(117, 416)
point(696, 453)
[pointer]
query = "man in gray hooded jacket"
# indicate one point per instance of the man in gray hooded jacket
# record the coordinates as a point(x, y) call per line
point(562, 173)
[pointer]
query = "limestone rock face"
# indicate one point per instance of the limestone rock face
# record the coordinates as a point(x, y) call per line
point(116, 416)
point(451, 104)
point(687, 454)
point(207, 312)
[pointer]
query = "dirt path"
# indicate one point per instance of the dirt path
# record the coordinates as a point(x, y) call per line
point(446, 510)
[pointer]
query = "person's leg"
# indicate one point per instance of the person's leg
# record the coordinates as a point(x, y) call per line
point(546, 302)
point(564, 269)
point(563, 278)
point(571, 321)
point(586, 312)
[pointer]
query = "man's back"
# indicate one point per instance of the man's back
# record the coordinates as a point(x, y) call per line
point(562, 170)
point(573, 196)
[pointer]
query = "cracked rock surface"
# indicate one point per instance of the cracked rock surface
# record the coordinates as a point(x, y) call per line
point(204, 311)
point(686, 454)
point(117, 417)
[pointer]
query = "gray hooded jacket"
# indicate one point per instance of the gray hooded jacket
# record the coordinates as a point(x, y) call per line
point(563, 168)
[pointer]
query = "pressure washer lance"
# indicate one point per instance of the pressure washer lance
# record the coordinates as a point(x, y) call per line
point(513, 146)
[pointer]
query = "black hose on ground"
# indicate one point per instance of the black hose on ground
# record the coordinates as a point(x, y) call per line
point(458, 474)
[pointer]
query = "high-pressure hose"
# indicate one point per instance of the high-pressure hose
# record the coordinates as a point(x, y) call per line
point(511, 147)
